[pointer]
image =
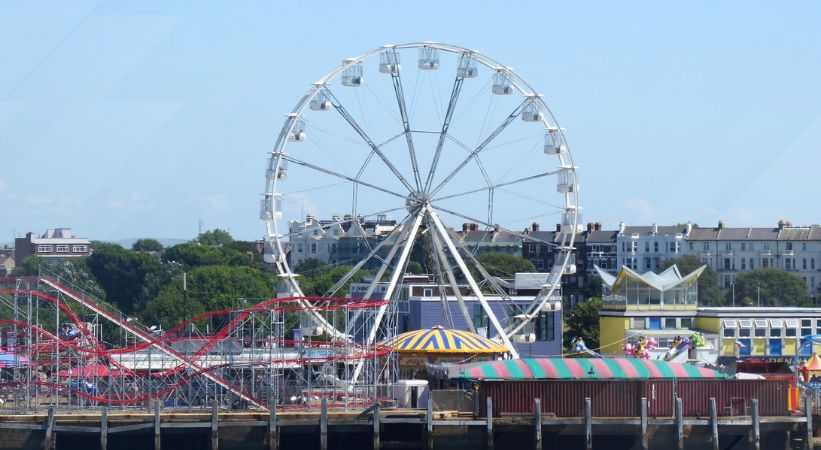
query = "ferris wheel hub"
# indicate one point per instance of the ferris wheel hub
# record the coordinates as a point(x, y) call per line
point(416, 200)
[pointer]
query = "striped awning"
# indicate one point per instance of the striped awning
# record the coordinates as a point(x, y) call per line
point(440, 340)
point(580, 369)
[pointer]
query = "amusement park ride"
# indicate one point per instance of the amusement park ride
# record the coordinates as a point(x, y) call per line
point(434, 159)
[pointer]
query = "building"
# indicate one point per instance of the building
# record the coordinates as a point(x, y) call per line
point(56, 244)
point(489, 241)
point(592, 247)
point(645, 248)
point(421, 306)
point(6, 265)
point(634, 304)
point(730, 251)
point(342, 241)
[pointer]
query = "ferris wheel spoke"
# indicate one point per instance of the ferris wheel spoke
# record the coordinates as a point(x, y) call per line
point(403, 112)
point(516, 112)
point(339, 175)
point(454, 96)
point(375, 148)
point(443, 261)
point(498, 185)
point(471, 281)
point(487, 224)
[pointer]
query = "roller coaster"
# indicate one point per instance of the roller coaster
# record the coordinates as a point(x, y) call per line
point(65, 349)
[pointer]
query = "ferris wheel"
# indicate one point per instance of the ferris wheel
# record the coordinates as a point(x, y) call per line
point(428, 141)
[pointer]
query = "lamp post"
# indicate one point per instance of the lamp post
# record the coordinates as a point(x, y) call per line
point(732, 285)
point(758, 288)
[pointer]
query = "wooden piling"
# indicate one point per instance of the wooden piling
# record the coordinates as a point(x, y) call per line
point(376, 426)
point(756, 434)
point(323, 424)
point(157, 439)
point(537, 424)
point(104, 429)
point(429, 424)
point(273, 442)
point(215, 426)
point(588, 424)
point(679, 425)
point(808, 415)
point(645, 442)
point(489, 423)
point(47, 441)
point(713, 423)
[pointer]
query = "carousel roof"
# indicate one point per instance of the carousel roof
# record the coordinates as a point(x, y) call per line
point(440, 340)
point(580, 369)
point(813, 364)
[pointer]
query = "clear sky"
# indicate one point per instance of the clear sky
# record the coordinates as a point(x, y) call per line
point(140, 119)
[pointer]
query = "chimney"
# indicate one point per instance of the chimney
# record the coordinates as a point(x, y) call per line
point(784, 223)
point(621, 227)
point(475, 227)
point(534, 226)
point(558, 227)
point(465, 227)
point(721, 224)
point(689, 227)
point(655, 229)
point(590, 226)
point(598, 226)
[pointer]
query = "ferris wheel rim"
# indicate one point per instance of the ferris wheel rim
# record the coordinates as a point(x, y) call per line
point(525, 90)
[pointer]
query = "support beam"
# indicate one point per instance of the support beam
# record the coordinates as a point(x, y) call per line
point(808, 415)
point(429, 424)
point(537, 424)
point(376, 430)
point(645, 442)
point(756, 432)
point(215, 426)
point(273, 436)
point(489, 424)
point(714, 423)
point(104, 428)
point(48, 442)
point(157, 428)
point(679, 425)
point(588, 424)
point(443, 260)
point(443, 233)
point(323, 424)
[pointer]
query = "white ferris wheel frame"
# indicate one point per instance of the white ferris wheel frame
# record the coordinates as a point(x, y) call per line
point(421, 209)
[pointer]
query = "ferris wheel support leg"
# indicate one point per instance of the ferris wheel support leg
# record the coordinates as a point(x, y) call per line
point(473, 286)
point(440, 254)
point(403, 257)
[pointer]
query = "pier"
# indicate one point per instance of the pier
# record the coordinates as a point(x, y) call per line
point(389, 428)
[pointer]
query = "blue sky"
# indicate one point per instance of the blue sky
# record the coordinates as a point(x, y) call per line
point(140, 119)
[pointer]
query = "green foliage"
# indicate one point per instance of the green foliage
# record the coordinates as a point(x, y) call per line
point(212, 288)
point(504, 265)
point(593, 288)
point(196, 255)
point(777, 288)
point(147, 245)
point(215, 238)
point(708, 292)
point(30, 266)
point(74, 271)
point(129, 278)
point(583, 322)
point(317, 277)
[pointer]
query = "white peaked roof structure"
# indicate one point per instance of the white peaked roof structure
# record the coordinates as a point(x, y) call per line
point(629, 287)
point(664, 281)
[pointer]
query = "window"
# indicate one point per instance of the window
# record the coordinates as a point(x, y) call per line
point(764, 263)
point(316, 231)
point(743, 264)
point(812, 263)
point(751, 264)
point(726, 263)
point(766, 246)
point(691, 246)
point(803, 246)
point(479, 316)
point(299, 247)
point(728, 246)
point(646, 263)
point(656, 246)
point(775, 332)
point(44, 249)
point(670, 322)
point(545, 328)
point(744, 332)
point(804, 263)
point(427, 292)
point(760, 332)
point(80, 248)
point(313, 247)
point(62, 248)
point(790, 332)
point(752, 247)
point(540, 265)
point(729, 332)
point(687, 322)
point(706, 247)
point(789, 245)
point(638, 324)
point(743, 246)
point(333, 248)
point(647, 246)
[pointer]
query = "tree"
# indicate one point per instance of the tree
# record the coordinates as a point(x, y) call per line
point(147, 245)
point(73, 271)
point(583, 322)
point(504, 265)
point(213, 288)
point(708, 292)
point(215, 238)
point(775, 286)
point(129, 278)
point(30, 266)
point(192, 255)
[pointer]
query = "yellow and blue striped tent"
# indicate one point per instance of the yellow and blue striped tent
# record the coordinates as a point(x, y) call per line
point(440, 340)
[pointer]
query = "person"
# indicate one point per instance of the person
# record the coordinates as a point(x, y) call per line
point(676, 342)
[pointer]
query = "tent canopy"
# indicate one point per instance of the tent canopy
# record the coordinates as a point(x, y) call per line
point(580, 369)
point(440, 340)
point(813, 364)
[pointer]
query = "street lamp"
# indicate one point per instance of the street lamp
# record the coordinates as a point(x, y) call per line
point(732, 285)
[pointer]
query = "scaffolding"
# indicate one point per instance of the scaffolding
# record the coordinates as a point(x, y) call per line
point(60, 347)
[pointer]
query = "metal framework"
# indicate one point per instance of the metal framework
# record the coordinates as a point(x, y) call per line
point(403, 176)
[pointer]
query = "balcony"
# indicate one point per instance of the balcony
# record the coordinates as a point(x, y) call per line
point(727, 253)
point(788, 253)
point(766, 253)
